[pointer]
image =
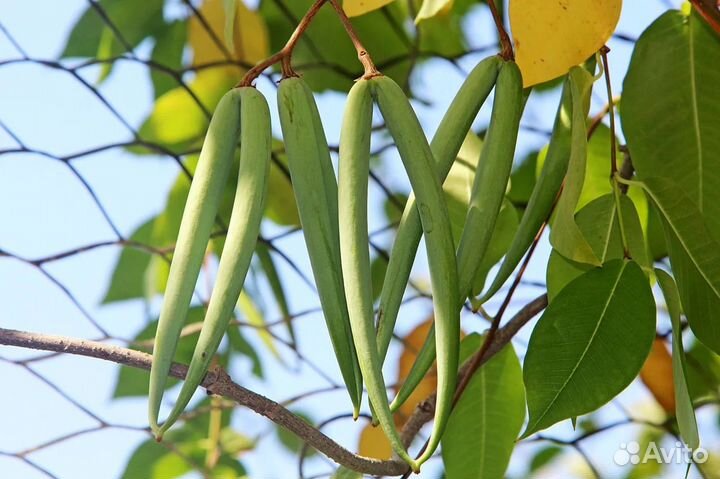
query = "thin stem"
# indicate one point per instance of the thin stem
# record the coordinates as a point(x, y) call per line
point(613, 151)
point(708, 12)
point(362, 53)
point(284, 56)
point(479, 358)
point(506, 48)
point(611, 109)
point(490, 337)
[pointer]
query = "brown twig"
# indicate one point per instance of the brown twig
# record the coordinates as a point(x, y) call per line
point(506, 48)
point(219, 383)
point(596, 120)
point(284, 56)
point(709, 10)
point(368, 65)
point(216, 382)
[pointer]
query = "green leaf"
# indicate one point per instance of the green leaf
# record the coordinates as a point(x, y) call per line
point(93, 37)
point(240, 344)
point(127, 280)
point(703, 372)
point(684, 410)
point(565, 235)
point(345, 473)
point(522, 181)
point(599, 222)
point(694, 255)
point(544, 457)
point(589, 344)
point(153, 460)
point(484, 424)
point(271, 274)
point(85, 36)
point(168, 52)
point(671, 110)
point(378, 268)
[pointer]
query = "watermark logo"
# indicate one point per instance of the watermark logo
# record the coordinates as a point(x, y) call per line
point(631, 453)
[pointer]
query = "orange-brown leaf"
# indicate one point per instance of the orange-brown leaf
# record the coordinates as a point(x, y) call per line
point(657, 375)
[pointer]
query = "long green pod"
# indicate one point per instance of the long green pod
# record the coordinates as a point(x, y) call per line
point(488, 192)
point(243, 231)
point(353, 176)
point(543, 195)
point(198, 217)
point(445, 146)
point(315, 190)
point(492, 175)
point(418, 160)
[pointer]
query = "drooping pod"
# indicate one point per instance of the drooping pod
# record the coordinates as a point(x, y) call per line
point(419, 163)
point(543, 195)
point(445, 146)
point(353, 175)
point(242, 235)
point(198, 217)
point(316, 193)
point(487, 194)
point(492, 174)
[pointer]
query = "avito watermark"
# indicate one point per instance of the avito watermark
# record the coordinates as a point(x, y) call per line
point(630, 453)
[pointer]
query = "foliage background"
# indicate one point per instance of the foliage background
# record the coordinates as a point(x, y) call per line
point(73, 174)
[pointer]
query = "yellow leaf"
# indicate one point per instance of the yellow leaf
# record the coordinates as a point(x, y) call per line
point(250, 38)
point(430, 8)
point(355, 8)
point(657, 375)
point(551, 37)
point(374, 443)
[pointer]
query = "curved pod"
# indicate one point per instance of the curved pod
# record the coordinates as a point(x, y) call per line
point(315, 189)
point(243, 232)
point(420, 166)
point(198, 217)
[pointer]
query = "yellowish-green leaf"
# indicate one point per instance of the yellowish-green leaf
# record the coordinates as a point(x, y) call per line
point(685, 411)
point(430, 8)
point(355, 8)
point(249, 40)
point(551, 37)
point(231, 7)
point(565, 235)
point(177, 119)
point(253, 316)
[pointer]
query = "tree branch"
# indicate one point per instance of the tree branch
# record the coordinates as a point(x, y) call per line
point(219, 383)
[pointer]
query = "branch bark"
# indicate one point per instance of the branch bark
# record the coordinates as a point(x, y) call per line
point(218, 382)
